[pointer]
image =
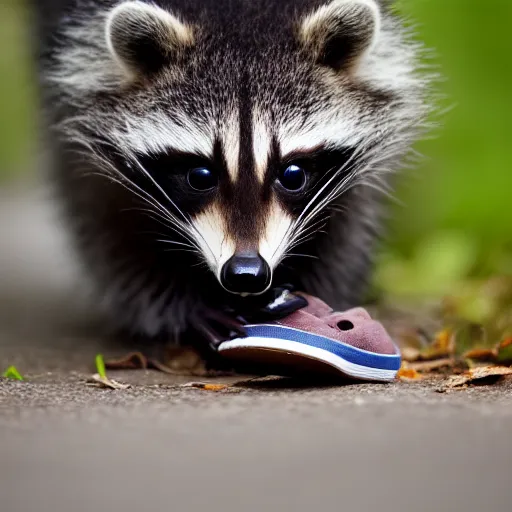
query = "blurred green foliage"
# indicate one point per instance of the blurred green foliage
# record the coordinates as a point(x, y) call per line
point(456, 216)
point(465, 183)
point(17, 104)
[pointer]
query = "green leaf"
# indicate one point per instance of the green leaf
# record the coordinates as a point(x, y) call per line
point(12, 373)
point(100, 366)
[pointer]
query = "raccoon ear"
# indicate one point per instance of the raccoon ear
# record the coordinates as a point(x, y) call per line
point(340, 32)
point(143, 38)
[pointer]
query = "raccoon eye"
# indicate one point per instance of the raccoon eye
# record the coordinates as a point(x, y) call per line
point(293, 178)
point(202, 179)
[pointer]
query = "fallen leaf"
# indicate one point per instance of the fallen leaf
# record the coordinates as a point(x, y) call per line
point(436, 364)
point(500, 352)
point(442, 346)
point(410, 354)
point(138, 361)
point(505, 350)
point(481, 354)
point(408, 374)
point(205, 386)
point(506, 343)
point(132, 361)
point(105, 382)
point(476, 376)
point(184, 360)
point(215, 387)
point(483, 372)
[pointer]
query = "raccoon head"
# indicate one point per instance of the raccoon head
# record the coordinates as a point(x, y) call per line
point(243, 124)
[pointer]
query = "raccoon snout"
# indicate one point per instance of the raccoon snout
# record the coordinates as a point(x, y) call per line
point(245, 273)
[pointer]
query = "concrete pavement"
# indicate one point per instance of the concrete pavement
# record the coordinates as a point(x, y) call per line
point(276, 446)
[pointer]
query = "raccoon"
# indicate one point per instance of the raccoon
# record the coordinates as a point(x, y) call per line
point(206, 150)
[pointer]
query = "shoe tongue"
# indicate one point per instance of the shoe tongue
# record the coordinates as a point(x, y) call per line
point(279, 303)
point(316, 306)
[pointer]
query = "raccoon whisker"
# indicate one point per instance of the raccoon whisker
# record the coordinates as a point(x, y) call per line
point(127, 184)
point(343, 186)
point(297, 227)
point(292, 241)
point(181, 250)
point(301, 227)
point(353, 173)
point(304, 221)
point(165, 223)
point(200, 264)
point(148, 175)
point(153, 214)
point(173, 242)
point(159, 234)
point(301, 241)
point(319, 192)
point(295, 254)
point(306, 235)
point(141, 194)
point(111, 170)
point(382, 187)
point(380, 179)
point(337, 208)
point(171, 217)
point(191, 229)
point(306, 230)
point(348, 165)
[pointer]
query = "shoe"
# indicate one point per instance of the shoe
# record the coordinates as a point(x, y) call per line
point(315, 339)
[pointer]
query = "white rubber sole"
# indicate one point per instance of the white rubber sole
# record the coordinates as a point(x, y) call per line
point(250, 347)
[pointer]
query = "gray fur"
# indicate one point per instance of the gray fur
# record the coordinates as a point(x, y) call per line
point(244, 52)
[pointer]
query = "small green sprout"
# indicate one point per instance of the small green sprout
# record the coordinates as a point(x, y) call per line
point(12, 373)
point(100, 366)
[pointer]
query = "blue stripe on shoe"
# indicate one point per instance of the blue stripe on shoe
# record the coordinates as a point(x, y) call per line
point(347, 352)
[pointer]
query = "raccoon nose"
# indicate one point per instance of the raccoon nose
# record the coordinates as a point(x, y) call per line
point(246, 273)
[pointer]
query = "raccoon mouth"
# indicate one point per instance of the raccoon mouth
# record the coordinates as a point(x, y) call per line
point(246, 274)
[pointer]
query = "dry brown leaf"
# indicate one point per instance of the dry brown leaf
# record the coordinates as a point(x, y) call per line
point(179, 361)
point(475, 375)
point(488, 354)
point(483, 372)
point(185, 360)
point(215, 387)
point(442, 346)
point(481, 354)
point(132, 361)
point(408, 374)
point(410, 354)
point(205, 386)
point(105, 382)
point(505, 343)
point(436, 364)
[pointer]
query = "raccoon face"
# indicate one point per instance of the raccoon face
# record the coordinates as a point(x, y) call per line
point(240, 132)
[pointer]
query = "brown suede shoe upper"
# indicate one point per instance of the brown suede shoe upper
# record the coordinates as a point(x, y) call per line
point(354, 327)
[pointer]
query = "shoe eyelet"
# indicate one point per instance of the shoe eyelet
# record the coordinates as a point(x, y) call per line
point(345, 325)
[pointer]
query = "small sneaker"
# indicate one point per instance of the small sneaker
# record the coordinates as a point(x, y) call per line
point(304, 335)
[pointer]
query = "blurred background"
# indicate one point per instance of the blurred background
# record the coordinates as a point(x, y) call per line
point(452, 221)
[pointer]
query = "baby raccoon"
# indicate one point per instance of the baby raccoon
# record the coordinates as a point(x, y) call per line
point(206, 150)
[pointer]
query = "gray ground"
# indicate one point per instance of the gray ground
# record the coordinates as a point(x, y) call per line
point(67, 447)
